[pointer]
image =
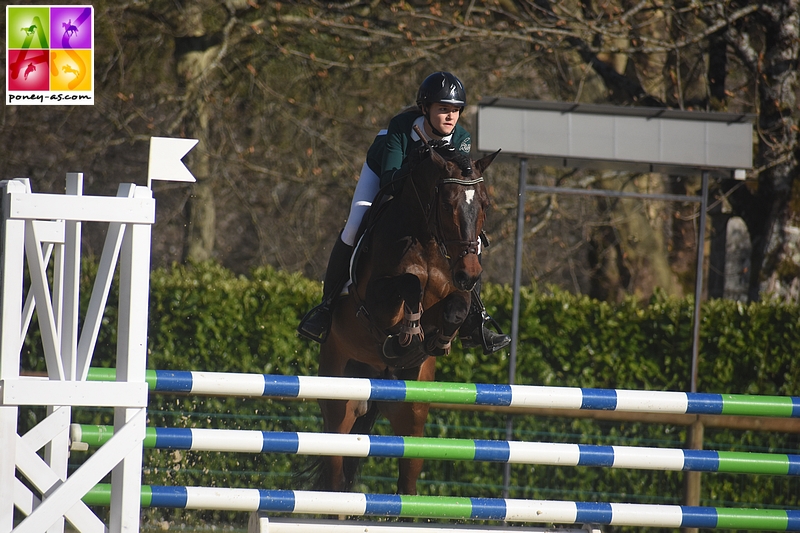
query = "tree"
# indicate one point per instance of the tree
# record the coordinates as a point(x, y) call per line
point(286, 97)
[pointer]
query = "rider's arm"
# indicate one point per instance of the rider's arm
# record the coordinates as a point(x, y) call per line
point(394, 151)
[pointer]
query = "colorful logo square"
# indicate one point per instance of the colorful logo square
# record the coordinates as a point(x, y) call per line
point(49, 55)
point(71, 27)
point(28, 27)
point(69, 70)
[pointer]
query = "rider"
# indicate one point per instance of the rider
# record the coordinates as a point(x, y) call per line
point(440, 100)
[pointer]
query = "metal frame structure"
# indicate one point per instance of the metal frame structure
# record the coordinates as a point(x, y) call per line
point(617, 138)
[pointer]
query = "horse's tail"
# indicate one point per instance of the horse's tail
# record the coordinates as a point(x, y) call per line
point(316, 475)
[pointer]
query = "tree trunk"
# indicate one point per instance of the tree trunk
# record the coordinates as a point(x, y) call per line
point(778, 120)
point(767, 211)
point(630, 257)
point(194, 53)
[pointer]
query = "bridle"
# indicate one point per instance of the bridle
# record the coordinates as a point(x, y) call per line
point(466, 247)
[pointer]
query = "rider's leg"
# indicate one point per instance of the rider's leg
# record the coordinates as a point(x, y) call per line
point(474, 332)
point(367, 187)
point(317, 322)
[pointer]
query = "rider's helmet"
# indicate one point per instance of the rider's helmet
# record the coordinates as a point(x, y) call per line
point(441, 87)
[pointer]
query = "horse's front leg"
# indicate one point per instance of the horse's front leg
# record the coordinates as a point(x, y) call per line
point(454, 309)
point(397, 303)
point(408, 420)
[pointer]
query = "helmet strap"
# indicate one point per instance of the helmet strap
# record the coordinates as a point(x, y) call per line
point(426, 112)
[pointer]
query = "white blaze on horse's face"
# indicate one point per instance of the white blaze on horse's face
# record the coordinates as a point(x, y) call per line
point(470, 195)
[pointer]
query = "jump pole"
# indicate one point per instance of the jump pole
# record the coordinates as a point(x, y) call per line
point(261, 523)
point(512, 452)
point(334, 388)
point(453, 508)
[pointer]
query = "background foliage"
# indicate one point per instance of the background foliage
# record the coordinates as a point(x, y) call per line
point(205, 317)
point(285, 98)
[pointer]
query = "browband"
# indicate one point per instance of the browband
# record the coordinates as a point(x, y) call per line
point(462, 181)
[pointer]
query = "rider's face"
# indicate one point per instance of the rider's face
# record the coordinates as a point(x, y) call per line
point(444, 117)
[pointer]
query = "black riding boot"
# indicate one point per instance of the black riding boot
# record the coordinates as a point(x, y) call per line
point(474, 331)
point(317, 322)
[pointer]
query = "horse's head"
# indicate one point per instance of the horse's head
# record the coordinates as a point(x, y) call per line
point(459, 212)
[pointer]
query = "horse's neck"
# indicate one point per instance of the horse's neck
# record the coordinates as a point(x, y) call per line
point(416, 203)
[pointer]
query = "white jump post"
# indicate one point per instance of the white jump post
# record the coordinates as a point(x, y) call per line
point(34, 228)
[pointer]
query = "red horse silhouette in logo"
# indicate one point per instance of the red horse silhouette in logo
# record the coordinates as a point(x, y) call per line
point(31, 68)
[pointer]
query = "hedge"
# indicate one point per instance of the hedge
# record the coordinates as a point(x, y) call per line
point(204, 317)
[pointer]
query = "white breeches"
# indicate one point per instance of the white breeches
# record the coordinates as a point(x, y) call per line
point(368, 186)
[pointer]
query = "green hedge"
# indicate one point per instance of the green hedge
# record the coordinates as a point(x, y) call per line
point(203, 317)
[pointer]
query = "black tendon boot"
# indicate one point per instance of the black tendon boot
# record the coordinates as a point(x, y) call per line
point(317, 322)
point(474, 332)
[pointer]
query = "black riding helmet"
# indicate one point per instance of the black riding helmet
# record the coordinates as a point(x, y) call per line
point(440, 88)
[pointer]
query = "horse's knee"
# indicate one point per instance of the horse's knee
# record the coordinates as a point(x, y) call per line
point(335, 417)
point(392, 291)
point(409, 288)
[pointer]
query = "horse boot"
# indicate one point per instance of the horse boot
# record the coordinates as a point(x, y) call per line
point(316, 324)
point(473, 331)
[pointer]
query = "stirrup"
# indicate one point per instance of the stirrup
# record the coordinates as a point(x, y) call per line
point(316, 324)
point(481, 334)
point(480, 337)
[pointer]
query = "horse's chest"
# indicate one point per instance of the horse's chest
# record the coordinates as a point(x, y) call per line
point(439, 279)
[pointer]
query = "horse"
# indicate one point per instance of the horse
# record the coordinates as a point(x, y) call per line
point(69, 28)
point(31, 68)
point(411, 280)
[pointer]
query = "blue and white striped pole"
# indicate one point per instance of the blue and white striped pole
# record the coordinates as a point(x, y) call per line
point(443, 507)
point(514, 452)
point(331, 388)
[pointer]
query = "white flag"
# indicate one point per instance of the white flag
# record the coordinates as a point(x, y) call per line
point(165, 159)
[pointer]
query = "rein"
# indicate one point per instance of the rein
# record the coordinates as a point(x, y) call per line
point(467, 247)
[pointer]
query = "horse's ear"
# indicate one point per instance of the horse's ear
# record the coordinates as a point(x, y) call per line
point(484, 162)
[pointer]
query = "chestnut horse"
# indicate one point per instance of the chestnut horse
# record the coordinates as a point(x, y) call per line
point(416, 266)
